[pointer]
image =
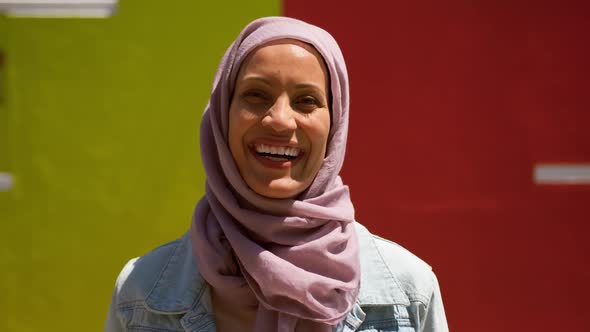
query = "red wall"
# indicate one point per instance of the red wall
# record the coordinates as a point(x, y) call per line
point(453, 102)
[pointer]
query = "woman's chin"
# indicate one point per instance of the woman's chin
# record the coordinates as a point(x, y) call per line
point(279, 188)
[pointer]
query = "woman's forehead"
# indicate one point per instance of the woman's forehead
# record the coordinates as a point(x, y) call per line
point(283, 52)
point(290, 41)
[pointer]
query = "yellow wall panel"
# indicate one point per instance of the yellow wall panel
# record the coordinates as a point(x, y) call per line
point(100, 128)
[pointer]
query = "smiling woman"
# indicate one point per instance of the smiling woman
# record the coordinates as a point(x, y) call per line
point(273, 245)
point(279, 118)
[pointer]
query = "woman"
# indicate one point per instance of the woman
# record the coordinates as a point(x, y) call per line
point(273, 245)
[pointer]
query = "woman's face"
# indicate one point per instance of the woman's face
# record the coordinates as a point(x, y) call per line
point(279, 118)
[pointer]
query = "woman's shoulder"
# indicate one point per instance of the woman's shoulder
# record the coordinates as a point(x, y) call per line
point(137, 278)
point(158, 291)
point(386, 264)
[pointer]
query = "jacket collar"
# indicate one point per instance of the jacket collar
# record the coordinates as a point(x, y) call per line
point(180, 286)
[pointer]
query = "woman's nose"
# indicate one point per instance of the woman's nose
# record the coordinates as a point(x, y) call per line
point(280, 116)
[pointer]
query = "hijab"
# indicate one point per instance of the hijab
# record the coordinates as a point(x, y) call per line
point(295, 259)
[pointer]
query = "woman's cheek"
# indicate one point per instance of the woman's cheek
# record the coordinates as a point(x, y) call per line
point(317, 127)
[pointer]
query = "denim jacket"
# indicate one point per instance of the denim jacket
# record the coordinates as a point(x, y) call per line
point(163, 291)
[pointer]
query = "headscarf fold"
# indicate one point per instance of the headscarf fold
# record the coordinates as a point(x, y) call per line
point(297, 259)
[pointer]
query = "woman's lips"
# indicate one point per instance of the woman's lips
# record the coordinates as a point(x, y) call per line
point(276, 154)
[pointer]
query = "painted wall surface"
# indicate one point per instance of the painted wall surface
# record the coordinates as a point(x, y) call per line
point(452, 104)
point(3, 112)
point(100, 128)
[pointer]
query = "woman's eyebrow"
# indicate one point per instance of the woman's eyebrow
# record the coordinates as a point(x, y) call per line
point(307, 85)
point(313, 86)
point(270, 82)
point(258, 78)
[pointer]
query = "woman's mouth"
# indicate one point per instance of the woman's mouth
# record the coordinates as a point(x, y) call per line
point(276, 156)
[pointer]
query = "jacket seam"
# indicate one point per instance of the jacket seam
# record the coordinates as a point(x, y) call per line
point(416, 297)
point(402, 248)
point(387, 266)
point(425, 299)
point(176, 245)
point(130, 304)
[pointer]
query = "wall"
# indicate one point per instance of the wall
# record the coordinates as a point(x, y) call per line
point(452, 105)
point(101, 131)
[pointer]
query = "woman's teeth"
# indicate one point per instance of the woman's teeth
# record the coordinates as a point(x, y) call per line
point(277, 153)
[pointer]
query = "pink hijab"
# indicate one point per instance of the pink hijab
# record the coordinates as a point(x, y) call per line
point(297, 259)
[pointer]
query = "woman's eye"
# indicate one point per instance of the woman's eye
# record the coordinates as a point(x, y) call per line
point(255, 96)
point(308, 101)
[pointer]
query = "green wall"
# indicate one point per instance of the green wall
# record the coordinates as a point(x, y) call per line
point(100, 128)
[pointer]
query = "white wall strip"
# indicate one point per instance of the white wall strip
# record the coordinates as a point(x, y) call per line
point(563, 174)
point(6, 181)
point(58, 8)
